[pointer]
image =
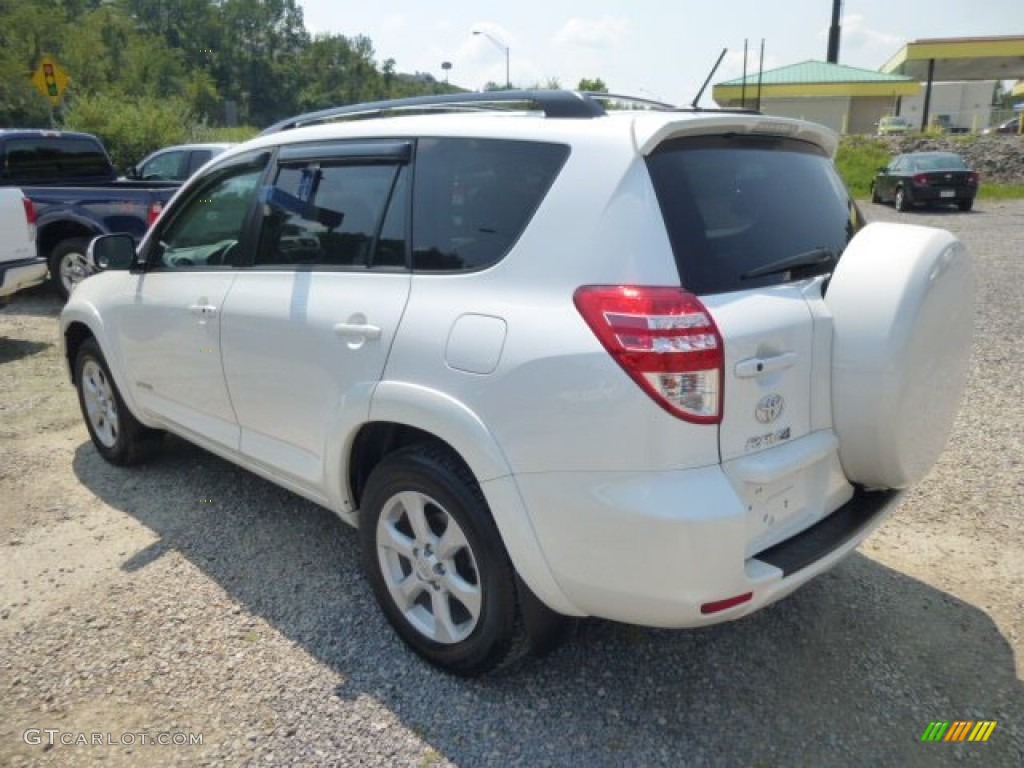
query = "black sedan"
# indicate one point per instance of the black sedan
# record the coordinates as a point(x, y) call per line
point(926, 177)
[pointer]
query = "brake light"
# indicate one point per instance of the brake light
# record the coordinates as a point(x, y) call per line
point(153, 213)
point(920, 179)
point(30, 216)
point(665, 339)
point(975, 177)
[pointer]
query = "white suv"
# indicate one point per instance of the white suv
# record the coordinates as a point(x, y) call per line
point(645, 365)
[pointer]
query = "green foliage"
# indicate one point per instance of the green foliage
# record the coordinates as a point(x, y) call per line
point(989, 191)
point(238, 133)
point(131, 127)
point(147, 73)
point(858, 159)
point(593, 86)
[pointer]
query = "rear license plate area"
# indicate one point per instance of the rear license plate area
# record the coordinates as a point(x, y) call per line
point(775, 509)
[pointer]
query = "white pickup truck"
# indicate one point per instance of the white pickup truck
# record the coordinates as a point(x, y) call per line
point(21, 266)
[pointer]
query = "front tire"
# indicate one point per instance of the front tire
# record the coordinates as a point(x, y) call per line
point(435, 560)
point(118, 436)
point(68, 265)
point(875, 197)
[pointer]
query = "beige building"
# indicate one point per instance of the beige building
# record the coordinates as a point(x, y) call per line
point(846, 99)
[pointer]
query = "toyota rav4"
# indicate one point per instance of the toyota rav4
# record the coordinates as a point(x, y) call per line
point(554, 361)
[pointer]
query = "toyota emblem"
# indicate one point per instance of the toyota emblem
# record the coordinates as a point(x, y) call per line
point(769, 408)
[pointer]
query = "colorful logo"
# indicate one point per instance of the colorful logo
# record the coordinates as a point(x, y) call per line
point(958, 730)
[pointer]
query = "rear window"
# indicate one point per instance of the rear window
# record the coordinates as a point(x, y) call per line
point(939, 162)
point(472, 198)
point(45, 158)
point(736, 204)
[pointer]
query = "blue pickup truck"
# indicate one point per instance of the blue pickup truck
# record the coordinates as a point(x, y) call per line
point(77, 195)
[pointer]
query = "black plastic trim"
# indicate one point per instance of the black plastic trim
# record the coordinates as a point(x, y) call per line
point(340, 151)
point(820, 540)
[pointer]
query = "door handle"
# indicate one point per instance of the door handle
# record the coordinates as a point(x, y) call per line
point(364, 331)
point(755, 366)
point(203, 310)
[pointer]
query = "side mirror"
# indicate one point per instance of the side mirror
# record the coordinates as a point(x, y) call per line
point(111, 252)
point(883, 168)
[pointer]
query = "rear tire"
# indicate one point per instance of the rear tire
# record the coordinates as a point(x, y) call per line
point(68, 265)
point(118, 436)
point(965, 205)
point(900, 201)
point(437, 565)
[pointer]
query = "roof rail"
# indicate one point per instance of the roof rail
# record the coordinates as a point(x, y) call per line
point(552, 103)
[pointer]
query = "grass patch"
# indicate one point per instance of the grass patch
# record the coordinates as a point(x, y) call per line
point(1001, 191)
point(858, 160)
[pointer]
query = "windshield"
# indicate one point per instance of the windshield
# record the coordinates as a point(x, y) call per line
point(734, 205)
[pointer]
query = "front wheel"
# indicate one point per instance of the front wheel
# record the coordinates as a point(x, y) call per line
point(118, 436)
point(436, 562)
point(875, 197)
point(68, 265)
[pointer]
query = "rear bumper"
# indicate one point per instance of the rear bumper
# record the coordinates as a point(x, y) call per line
point(652, 548)
point(24, 273)
point(931, 194)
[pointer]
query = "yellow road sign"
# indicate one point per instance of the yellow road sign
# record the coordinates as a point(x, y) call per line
point(50, 79)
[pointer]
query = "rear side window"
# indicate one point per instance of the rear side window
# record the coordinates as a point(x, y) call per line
point(735, 204)
point(473, 198)
point(47, 158)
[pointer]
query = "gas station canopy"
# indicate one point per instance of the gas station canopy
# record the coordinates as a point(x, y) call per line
point(951, 59)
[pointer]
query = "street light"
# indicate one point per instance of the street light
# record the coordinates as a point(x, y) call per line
point(502, 46)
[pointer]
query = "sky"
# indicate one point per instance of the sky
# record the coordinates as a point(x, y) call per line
point(661, 49)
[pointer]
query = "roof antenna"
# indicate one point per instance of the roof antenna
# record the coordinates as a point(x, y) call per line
point(693, 104)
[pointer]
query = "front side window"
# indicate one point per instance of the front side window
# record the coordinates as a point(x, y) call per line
point(734, 206)
point(473, 198)
point(163, 167)
point(331, 216)
point(207, 230)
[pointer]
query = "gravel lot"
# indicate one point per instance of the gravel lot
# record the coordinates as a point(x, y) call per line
point(189, 597)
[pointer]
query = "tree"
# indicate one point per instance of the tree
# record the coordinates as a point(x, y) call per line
point(592, 86)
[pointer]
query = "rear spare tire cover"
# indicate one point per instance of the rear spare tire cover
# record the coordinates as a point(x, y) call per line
point(902, 301)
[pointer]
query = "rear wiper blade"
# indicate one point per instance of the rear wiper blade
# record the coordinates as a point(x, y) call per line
point(807, 263)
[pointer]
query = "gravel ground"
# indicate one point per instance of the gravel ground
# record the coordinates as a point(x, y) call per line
point(189, 597)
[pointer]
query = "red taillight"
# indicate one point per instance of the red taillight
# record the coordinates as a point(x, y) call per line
point(30, 216)
point(721, 605)
point(665, 339)
point(920, 179)
point(154, 213)
point(975, 177)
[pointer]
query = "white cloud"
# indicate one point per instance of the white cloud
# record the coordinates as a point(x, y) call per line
point(858, 34)
point(732, 65)
point(608, 32)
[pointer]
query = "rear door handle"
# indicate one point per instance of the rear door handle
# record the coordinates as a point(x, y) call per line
point(364, 331)
point(755, 366)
